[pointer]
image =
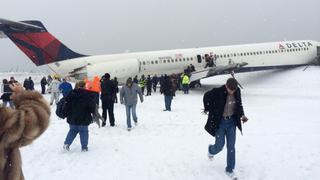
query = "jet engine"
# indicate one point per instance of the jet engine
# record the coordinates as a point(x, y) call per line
point(122, 69)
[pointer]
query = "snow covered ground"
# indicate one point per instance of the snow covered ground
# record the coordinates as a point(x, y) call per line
point(280, 140)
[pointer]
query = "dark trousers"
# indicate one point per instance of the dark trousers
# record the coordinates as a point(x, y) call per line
point(116, 99)
point(108, 105)
point(96, 97)
point(167, 102)
point(148, 90)
point(43, 89)
point(154, 86)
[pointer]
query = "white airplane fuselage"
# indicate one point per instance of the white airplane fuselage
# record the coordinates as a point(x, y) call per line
point(258, 56)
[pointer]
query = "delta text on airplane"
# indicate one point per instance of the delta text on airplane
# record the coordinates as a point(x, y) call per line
point(44, 49)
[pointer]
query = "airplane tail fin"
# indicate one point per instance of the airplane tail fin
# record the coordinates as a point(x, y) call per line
point(36, 42)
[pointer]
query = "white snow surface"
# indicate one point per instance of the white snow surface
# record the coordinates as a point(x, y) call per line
point(280, 140)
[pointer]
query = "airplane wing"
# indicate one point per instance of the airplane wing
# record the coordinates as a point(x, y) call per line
point(212, 71)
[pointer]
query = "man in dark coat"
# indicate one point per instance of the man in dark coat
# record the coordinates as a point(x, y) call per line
point(28, 84)
point(6, 93)
point(167, 90)
point(43, 83)
point(155, 81)
point(81, 106)
point(116, 84)
point(149, 85)
point(108, 95)
point(225, 113)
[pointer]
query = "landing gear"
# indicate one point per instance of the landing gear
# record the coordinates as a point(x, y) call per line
point(195, 84)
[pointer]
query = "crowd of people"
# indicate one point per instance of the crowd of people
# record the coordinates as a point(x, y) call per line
point(223, 105)
point(106, 90)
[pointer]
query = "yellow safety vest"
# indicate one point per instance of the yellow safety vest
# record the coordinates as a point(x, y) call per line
point(185, 79)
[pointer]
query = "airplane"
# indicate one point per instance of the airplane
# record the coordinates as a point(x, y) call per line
point(44, 49)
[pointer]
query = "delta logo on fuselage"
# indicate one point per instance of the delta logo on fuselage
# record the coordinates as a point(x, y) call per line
point(295, 45)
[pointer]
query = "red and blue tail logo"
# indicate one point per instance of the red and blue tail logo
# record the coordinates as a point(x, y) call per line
point(36, 42)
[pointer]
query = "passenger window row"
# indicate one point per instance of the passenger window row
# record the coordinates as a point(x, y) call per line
point(259, 52)
point(167, 61)
point(226, 55)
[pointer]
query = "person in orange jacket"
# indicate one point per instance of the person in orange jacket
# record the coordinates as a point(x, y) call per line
point(94, 87)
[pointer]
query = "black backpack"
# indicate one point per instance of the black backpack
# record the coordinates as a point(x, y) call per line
point(62, 109)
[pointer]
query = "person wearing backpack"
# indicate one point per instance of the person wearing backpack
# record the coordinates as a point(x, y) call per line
point(80, 108)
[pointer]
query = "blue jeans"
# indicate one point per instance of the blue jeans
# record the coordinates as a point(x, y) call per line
point(134, 115)
point(167, 102)
point(84, 135)
point(226, 129)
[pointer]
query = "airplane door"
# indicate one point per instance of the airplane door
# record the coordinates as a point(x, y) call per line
point(199, 58)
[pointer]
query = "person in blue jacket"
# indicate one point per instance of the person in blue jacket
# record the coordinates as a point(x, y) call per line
point(65, 87)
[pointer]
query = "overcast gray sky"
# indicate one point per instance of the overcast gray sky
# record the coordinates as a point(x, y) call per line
point(114, 26)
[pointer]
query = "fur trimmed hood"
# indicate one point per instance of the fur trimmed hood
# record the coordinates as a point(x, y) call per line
point(19, 127)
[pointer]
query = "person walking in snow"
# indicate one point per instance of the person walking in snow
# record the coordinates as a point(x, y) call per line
point(128, 97)
point(155, 81)
point(28, 84)
point(65, 87)
point(142, 83)
point(6, 93)
point(80, 108)
point(149, 85)
point(43, 84)
point(185, 83)
point(167, 90)
point(108, 95)
point(225, 110)
point(116, 84)
point(54, 89)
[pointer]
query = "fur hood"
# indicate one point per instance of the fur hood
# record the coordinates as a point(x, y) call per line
point(19, 127)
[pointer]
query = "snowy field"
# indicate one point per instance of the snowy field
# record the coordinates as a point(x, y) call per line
point(280, 140)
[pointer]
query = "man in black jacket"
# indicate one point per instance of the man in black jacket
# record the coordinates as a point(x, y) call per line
point(43, 83)
point(225, 113)
point(80, 107)
point(108, 95)
point(167, 90)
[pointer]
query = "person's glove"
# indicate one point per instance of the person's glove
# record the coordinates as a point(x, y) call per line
point(244, 119)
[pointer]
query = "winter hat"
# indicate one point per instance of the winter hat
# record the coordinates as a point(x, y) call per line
point(107, 75)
